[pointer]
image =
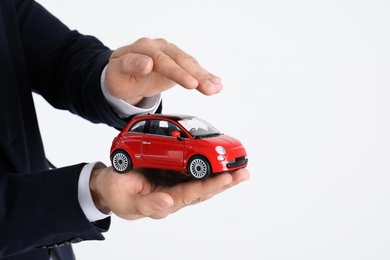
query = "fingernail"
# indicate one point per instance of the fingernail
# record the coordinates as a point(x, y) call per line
point(215, 79)
point(193, 82)
point(163, 204)
point(213, 87)
point(142, 63)
point(209, 84)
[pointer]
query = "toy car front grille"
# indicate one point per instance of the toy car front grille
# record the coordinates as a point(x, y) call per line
point(237, 162)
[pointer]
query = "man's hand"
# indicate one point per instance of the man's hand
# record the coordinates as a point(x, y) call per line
point(148, 67)
point(133, 196)
point(144, 69)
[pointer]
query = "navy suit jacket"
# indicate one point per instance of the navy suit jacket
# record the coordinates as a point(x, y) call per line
point(39, 208)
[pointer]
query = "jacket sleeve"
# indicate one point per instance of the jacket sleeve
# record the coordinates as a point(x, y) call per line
point(41, 209)
point(58, 218)
point(65, 66)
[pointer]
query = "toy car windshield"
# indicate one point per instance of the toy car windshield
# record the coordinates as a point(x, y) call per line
point(198, 128)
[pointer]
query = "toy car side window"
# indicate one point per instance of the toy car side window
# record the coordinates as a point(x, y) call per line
point(155, 128)
point(138, 127)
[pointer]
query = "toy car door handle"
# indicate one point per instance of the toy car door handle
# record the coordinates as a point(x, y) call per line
point(144, 142)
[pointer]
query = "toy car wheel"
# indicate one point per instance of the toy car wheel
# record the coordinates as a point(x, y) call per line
point(121, 161)
point(199, 168)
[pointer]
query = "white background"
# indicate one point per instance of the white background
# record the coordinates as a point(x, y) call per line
point(306, 91)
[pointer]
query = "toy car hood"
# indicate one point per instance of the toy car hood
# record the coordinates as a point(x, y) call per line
point(223, 140)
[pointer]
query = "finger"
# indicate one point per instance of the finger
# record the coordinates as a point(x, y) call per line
point(196, 191)
point(167, 67)
point(238, 177)
point(163, 63)
point(208, 83)
point(217, 184)
point(199, 191)
point(149, 205)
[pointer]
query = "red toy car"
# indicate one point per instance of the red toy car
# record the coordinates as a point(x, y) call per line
point(176, 142)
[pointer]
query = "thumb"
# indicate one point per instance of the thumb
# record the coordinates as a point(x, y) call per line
point(132, 64)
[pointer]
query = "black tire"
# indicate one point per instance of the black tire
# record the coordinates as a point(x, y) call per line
point(199, 168)
point(121, 161)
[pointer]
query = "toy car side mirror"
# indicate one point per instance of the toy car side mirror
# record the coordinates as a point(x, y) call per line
point(176, 134)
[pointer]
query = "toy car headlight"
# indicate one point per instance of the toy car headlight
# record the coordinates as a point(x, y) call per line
point(220, 150)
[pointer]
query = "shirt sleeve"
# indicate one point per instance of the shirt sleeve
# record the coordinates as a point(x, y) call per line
point(84, 194)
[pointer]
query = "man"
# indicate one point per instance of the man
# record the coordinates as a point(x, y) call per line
point(43, 211)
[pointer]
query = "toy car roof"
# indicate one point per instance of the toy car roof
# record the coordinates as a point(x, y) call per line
point(169, 116)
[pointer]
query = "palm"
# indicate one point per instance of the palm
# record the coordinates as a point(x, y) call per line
point(158, 193)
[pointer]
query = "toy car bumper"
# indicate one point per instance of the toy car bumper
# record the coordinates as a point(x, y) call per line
point(237, 162)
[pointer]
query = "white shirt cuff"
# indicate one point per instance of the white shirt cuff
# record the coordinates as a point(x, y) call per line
point(124, 109)
point(85, 197)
